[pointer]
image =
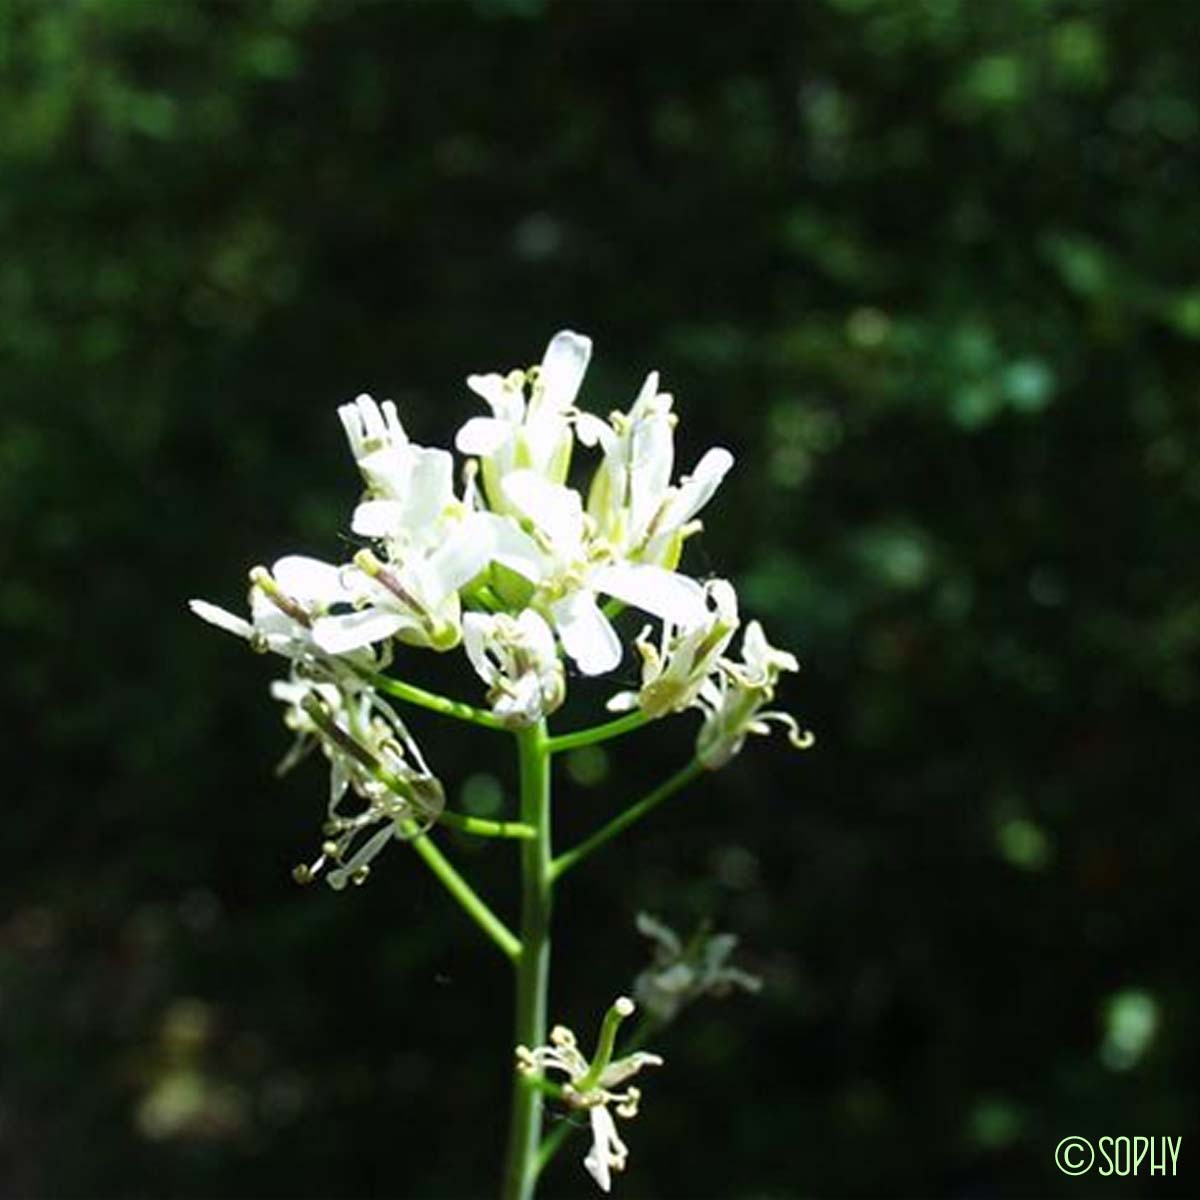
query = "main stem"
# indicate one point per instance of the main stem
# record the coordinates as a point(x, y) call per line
point(533, 964)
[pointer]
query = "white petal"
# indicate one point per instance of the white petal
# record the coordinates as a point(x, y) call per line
point(456, 561)
point(483, 436)
point(511, 546)
point(505, 402)
point(355, 418)
point(378, 518)
point(221, 618)
point(548, 442)
point(308, 580)
point(477, 629)
point(697, 490)
point(387, 470)
point(664, 594)
point(604, 1130)
point(652, 459)
point(759, 655)
point(353, 631)
point(430, 490)
point(540, 637)
point(563, 367)
point(556, 510)
point(647, 394)
point(587, 634)
point(592, 431)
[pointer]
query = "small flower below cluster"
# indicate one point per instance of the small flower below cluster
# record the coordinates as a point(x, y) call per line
point(592, 1086)
point(682, 972)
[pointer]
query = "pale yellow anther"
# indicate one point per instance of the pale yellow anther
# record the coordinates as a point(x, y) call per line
point(367, 562)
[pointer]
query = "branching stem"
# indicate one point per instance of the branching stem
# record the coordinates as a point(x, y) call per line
point(635, 812)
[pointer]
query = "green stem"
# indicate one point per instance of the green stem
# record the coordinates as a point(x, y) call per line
point(430, 700)
point(635, 812)
point(533, 965)
point(483, 827)
point(461, 890)
point(553, 1143)
point(598, 733)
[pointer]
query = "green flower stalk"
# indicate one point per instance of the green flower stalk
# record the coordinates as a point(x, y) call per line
point(524, 574)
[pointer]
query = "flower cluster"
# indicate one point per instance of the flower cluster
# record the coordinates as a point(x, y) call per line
point(522, 570)
point(591, 1085)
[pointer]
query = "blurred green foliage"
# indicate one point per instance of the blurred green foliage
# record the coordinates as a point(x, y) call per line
point(929, 267)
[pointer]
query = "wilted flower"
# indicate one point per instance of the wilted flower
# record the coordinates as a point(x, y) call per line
point(675, 670)
point(732, 699)
point(371, 756)
point(590, 1086)
point(682, 972)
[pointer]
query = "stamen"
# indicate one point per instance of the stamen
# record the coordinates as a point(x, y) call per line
point(262, 579)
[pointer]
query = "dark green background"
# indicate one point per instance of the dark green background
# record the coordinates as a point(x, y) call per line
point(929, 267)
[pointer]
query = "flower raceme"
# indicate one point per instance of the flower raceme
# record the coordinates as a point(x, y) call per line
point(524, 572)
point(502, 557)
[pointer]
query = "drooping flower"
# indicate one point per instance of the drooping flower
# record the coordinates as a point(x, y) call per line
point(732, 699)
point(682, 972)
point(530, 427)
point(372, 757)
point(518, 660)
point(675, 670)
point(591, 1086)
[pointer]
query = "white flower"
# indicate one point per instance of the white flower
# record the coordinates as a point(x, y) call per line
point(631, 498)
point(674, 671)
point(411, 501)
point(519, 662)
point(733, 697)
point(681, 973)
point(567, 570)
point(378, 442)
point(371, 756)
point(285, 602)
point(433, 543)
point(591, 1086)
point(414, 599)
point(534, 433)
